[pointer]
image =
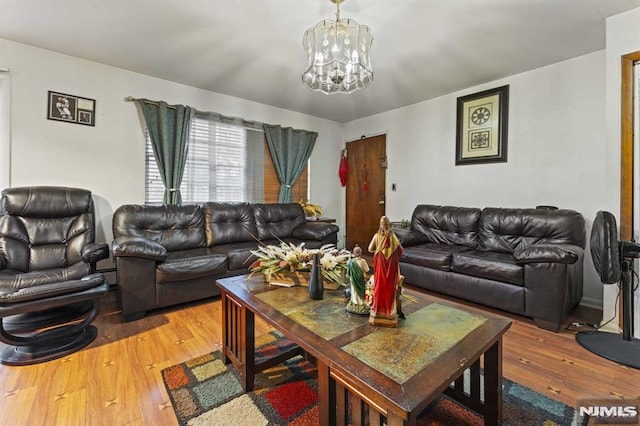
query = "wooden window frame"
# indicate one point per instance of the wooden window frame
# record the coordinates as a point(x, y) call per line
point(626, 145)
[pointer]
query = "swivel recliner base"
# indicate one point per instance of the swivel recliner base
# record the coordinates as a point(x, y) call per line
point(56, 340)
point(46, 351)
point(46, 318)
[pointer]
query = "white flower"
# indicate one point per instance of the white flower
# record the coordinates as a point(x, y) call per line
point(288, 257)
point(328, 261)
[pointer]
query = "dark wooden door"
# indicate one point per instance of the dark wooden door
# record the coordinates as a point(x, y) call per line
point(367, 159)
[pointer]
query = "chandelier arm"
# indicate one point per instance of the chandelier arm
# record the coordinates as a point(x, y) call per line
point(337, 20)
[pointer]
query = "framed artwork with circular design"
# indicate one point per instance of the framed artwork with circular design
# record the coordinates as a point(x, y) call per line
point(482, 127)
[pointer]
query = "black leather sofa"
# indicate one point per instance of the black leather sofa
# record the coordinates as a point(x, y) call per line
point(524, 261)
point(166, 255)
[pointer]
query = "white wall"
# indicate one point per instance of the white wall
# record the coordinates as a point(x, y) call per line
point(556, 149)
point(108, 159)
point(623, 37)
point(5, 128)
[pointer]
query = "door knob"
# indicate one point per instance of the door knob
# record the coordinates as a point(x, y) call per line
point(381, 202)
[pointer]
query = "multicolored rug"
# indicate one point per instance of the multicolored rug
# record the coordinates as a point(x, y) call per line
point(204, 391)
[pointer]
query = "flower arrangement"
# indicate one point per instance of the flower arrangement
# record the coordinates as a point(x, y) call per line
point(289, 258)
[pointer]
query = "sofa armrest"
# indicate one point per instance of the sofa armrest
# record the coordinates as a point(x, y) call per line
point(548, 253)
point(138, 247)
point(314, 231)
point(408, 237)
point(93, 252)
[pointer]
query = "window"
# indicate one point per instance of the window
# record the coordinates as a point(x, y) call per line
point(225, 162)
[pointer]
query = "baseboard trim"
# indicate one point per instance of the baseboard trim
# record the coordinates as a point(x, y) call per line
point(591, 303)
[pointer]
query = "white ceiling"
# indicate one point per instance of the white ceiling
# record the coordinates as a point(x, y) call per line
point(252, 49)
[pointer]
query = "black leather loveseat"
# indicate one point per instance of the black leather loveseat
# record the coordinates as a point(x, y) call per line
point(166, 255)
point(525, 261)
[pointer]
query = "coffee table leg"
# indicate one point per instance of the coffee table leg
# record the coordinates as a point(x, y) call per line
point(227, 331)
point(326, 396)
point(493, 385)
point(238, 339)
point(249, 361)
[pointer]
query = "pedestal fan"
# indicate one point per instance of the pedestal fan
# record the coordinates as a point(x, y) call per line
point(613, 260)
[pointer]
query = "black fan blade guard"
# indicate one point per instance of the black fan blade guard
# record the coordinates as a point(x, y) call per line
point(605, 247)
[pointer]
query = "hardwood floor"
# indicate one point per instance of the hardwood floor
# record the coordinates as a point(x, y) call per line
point(117, 380)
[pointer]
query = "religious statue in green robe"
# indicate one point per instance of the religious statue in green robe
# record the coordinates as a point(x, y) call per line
point(357, 268)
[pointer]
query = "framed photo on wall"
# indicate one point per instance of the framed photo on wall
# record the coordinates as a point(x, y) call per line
point(70, 108)
point(482, 127)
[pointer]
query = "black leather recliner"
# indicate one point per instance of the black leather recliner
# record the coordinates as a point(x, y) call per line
point(48, 285)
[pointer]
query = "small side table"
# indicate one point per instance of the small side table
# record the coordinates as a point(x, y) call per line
point(321, 219)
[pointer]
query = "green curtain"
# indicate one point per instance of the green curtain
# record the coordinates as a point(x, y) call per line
point(290, 150)
point(168, 127)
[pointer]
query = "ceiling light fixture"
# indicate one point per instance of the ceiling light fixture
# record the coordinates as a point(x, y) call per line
point(337, 55)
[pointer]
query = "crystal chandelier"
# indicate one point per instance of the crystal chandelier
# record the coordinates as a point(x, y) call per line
point(337, 55)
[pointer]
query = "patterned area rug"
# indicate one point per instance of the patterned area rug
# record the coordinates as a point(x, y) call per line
point(204, 391)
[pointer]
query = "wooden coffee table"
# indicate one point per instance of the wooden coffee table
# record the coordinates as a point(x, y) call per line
point(390, 374)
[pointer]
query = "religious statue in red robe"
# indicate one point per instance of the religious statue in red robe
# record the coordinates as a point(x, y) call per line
point(386, 250)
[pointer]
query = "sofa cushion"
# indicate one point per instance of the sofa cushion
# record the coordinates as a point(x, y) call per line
point(431, 255)
point(189, 264)
point(506, 230)
point(238, 254)
point(446, 224)
point(409, 238)
point(175, 227)
point(229, 223)
point(314, 231)
point(277, 221)
point(490, 265)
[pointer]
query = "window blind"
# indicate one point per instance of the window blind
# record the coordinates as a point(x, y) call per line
point(225, 162)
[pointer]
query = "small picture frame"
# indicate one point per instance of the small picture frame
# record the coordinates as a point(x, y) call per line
point(71, 108)
point(482, 127)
